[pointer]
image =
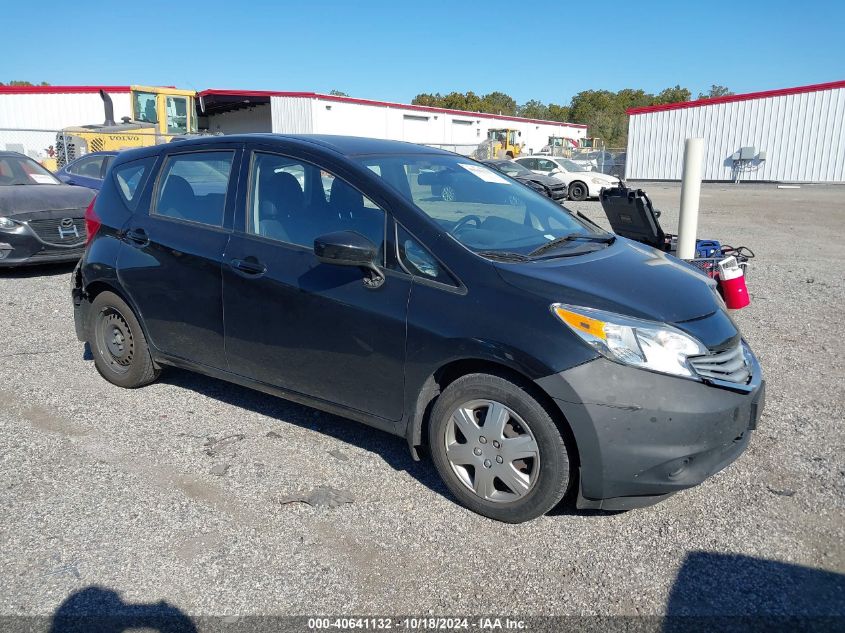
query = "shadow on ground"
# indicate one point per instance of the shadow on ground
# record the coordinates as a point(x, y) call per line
point(103, 610)
point(741, 593)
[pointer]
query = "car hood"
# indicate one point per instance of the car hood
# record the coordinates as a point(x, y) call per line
point(631, 279)
point(548, 181)
point(16, 200)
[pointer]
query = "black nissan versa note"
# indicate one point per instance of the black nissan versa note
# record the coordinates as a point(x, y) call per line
point(528, 351)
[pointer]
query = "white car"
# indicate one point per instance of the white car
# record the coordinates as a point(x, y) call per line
point(582, 182)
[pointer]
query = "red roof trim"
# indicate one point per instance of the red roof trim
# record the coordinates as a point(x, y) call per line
point(386, 104)
point(743, 97)
point(37, 90)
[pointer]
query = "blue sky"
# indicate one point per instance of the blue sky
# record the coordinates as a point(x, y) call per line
point(394, 50)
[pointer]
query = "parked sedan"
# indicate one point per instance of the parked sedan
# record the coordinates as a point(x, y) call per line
point(550, 187)
point(530, 352)
point(41, 219)
point(582, 182)
point(87, 171)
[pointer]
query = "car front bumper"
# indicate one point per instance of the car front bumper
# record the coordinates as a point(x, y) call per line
point(22, 246)
point(642, 436)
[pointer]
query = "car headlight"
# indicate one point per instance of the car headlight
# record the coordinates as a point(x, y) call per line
point(601, 181)
point(7, 223)
point(645, 344)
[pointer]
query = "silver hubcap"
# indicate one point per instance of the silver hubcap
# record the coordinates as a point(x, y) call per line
point(492, 450)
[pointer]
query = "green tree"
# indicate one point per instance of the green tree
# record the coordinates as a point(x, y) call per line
point(338, 93)
point(715, 91)
point(533, 109)
point(673, 95)
point(558, 113)
point(498, 103)
point(427, 99)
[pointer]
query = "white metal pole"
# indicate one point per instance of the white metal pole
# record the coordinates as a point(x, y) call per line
point(690, 194)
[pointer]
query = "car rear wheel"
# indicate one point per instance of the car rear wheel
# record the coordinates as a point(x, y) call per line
point(498, 449)
point(448, 193)
point(578, 191)
point(118, 345)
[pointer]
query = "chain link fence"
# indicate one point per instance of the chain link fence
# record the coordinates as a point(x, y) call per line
point(55, 148)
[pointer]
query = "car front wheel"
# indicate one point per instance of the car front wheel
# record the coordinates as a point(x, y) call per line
point(498, 449)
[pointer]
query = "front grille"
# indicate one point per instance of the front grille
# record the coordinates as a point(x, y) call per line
point(729, 365)
point(60, 231)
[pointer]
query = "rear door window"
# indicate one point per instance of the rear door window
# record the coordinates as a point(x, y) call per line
point(130, 178)
point(192, 187)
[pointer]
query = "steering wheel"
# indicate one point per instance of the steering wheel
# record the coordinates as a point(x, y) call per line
point(464, 220)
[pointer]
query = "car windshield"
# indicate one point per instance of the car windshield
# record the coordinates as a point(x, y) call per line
point(568, 165)
point(511, 169)
point(483, 209)
point(22, 170)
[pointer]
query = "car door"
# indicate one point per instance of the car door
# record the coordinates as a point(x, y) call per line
point(171, 263)
point(298, 324)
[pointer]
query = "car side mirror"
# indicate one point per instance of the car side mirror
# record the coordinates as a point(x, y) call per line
point(350, 248)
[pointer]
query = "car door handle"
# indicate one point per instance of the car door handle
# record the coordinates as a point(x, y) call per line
point(250, 267)
point(137, 237)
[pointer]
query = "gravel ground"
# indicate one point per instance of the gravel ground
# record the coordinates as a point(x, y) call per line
point(125, 489)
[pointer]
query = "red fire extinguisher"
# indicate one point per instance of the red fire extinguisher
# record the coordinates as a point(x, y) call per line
point(732, 284)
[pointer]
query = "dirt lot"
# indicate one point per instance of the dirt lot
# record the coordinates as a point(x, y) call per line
point(116, 489)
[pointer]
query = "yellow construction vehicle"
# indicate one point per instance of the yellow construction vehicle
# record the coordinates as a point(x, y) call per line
point(504, 143)
point(158, 116)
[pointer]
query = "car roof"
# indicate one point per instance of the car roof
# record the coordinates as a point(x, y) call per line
point(344, 145)
point(8, 152)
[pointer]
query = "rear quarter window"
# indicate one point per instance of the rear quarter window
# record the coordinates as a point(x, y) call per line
point(131, 177)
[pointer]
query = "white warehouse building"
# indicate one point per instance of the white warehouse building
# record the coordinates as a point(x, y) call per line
point(230, 111)
point(788, 135)
point(31, 115)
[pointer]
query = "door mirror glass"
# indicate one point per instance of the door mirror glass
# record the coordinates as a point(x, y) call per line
point(345, 248)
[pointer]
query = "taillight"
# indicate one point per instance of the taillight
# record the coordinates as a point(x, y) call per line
point(92, 222)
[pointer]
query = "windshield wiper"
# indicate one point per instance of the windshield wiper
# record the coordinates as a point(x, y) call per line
point(605, 239)
point(505, 256)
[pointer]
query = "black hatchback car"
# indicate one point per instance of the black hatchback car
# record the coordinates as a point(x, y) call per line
point(529, 352)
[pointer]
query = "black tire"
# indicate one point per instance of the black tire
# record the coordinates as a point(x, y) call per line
point(550, 474)
point(578, 191)
point(118, 344)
